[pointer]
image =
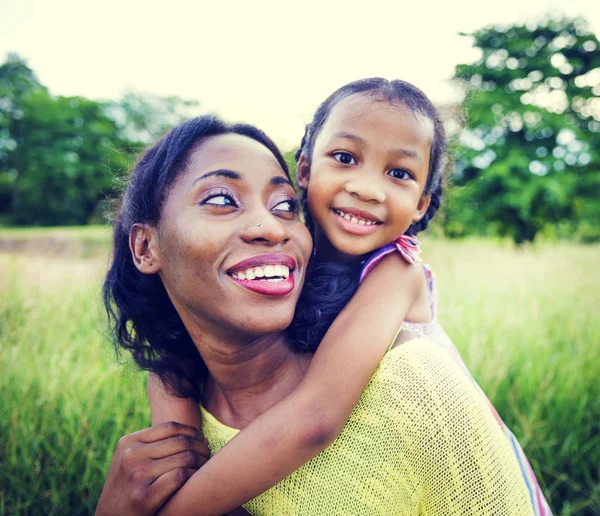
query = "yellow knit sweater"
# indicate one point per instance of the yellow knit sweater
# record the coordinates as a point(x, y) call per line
point(420, 441)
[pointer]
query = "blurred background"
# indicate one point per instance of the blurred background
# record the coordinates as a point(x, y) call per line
point(84, 88)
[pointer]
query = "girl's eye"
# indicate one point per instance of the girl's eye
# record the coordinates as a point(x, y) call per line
point(221, 200)
point(400, 173)
point(289, 205)
point(344, 158)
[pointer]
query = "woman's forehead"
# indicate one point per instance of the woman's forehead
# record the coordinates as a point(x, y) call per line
point(233, 151)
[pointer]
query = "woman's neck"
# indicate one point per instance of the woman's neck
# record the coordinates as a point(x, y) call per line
point(245, 380)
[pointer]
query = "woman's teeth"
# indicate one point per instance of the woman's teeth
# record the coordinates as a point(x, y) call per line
point(272, 273)
point(355, 219)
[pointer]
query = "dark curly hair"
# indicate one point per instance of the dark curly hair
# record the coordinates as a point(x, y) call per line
point(141, 317)
point(329, 287)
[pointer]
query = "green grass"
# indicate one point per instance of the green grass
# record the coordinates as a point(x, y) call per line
point(526, 322)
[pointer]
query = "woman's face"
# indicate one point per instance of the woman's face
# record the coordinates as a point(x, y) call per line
point(233, 251)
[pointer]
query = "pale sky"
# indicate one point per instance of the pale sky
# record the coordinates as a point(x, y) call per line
point(265, 62)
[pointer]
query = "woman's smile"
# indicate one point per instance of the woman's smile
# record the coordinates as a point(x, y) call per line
point(267, 274)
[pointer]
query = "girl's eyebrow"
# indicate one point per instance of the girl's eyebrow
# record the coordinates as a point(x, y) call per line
point(222, 172)
point(405, 153)
point(349, 136)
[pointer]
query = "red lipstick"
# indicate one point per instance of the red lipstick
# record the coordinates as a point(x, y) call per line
point(273, 286)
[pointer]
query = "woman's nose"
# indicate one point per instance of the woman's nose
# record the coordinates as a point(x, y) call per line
point(366, 189)
point(266, 229)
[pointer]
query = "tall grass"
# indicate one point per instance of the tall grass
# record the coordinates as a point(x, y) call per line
point(526, 321)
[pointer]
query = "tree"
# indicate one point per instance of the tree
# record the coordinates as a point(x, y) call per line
point(144, 117)
point(59, 156)
point(529, 154)
point(54, 151)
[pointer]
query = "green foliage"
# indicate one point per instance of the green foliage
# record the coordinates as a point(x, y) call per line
point(60, 156)
point(529, 342)
point(144, 118)
point(529, 155)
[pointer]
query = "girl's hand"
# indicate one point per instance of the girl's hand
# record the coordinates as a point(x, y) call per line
point(149, 466)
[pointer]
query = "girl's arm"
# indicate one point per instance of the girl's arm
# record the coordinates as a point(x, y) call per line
point(168, 407)
point(304, 423)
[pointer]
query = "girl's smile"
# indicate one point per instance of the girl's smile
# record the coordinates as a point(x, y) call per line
point(356, 222)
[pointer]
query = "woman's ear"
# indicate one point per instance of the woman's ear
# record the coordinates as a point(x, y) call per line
point(145, 251)
point(303, 172)
point(422, 207)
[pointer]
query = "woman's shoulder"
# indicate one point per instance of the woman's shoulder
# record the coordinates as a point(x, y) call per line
point(425, 379)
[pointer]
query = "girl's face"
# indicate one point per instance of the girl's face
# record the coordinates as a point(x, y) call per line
point(230, 247)
point(369, 168)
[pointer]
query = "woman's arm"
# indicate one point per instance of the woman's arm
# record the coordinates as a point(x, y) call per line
point(148, 467)
point(303, 424)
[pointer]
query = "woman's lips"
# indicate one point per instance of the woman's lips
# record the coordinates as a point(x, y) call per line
point(355, 228)
point(268, 274)
point(266, 287)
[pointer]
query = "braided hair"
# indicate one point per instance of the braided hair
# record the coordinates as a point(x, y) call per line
point(330, 286)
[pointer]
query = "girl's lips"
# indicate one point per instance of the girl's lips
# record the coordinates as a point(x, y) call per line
point(268, 288)
point(354, 228)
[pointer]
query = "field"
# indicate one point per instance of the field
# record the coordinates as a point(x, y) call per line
point(527, 322)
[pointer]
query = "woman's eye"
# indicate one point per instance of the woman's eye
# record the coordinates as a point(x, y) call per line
point(289, 205)
point(344, 158)
point(400, 173)
point(219, 200)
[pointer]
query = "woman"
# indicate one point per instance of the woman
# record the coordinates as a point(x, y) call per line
point(181, 295)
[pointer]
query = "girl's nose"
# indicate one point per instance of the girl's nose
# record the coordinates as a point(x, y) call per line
point(365, 189)
point(266, 229)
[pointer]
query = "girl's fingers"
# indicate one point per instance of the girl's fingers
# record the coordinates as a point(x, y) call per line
point(178, 444)
point(167, 484)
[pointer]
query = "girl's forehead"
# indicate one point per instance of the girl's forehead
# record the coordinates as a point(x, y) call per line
point(375, 116)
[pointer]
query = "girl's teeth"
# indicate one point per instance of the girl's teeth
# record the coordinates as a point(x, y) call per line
point(355, 220)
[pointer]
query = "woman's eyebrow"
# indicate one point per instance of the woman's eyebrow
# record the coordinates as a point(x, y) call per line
point(222, 172)
point(279, 180)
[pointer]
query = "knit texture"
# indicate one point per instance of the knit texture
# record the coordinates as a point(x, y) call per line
point(420, 441)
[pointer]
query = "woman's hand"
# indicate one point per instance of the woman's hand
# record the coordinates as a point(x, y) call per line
point(149, 466)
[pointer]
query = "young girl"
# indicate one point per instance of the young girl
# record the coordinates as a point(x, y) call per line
point(370, 168)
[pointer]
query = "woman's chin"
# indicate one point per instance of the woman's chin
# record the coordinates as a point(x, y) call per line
point(268, 323)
